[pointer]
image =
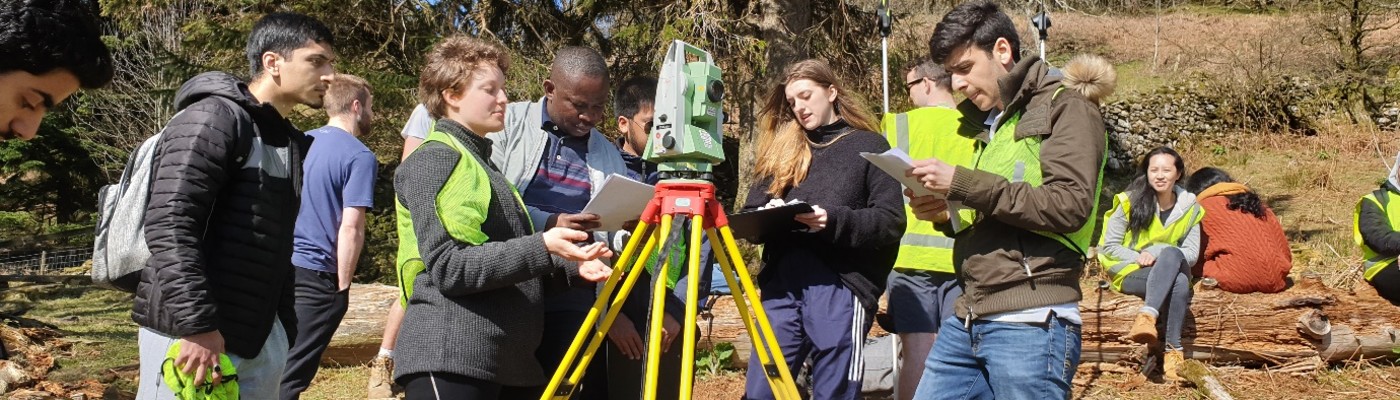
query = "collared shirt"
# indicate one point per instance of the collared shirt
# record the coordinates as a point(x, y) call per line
point(991, 122)
point(641, 169)
point(561, 184)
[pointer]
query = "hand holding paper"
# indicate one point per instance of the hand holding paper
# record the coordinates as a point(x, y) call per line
point(928, 208)
point(620, 200)
point(935, 175)
point(897, 164)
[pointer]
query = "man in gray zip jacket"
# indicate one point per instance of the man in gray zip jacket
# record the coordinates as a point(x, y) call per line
point(557, 160)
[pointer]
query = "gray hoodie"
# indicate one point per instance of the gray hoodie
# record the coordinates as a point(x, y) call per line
point(1117, 227)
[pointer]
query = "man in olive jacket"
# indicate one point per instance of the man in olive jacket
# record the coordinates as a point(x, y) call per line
point(1033, 184)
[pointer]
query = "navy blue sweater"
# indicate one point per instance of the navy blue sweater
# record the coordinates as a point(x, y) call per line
point(865, 214)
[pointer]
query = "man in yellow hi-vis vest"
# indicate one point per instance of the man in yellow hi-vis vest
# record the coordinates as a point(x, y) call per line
point(923, 287)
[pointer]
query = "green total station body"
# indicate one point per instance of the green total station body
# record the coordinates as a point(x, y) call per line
point(686, 140)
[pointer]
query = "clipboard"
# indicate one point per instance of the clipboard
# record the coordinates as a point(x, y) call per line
point(751, 225)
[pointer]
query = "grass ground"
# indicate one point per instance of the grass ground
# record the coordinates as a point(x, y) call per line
point(97, 321)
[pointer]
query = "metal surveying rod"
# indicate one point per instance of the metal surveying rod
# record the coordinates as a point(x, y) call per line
point(686, 141)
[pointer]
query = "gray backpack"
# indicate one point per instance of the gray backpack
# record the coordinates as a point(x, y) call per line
point(120, 251)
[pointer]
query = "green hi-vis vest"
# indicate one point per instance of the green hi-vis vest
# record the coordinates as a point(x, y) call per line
point(1157, 233)
point(924, 248)
point(1382, 198)
point(1018, 160)
point(461, 206)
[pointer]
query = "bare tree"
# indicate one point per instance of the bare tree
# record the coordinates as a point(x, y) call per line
point(1350, 25)
point(140, 99)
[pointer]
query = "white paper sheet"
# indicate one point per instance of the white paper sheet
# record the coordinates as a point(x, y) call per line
point(895, 162)
point(621, 200)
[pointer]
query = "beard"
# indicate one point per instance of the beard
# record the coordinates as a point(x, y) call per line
point(315, 100)
point(364, 127)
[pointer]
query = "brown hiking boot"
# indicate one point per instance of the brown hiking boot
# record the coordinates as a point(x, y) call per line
point(381, 379)
point(1171, 361)
point(1144, 329)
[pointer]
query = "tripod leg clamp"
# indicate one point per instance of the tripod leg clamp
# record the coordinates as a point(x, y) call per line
point(771, 370)
point(565, 389)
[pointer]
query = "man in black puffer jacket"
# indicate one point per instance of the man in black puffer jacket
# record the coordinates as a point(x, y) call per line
point(223, 205)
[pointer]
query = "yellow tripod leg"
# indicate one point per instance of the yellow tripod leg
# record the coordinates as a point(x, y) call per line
point(630, 260)
point(692, 296)
point(658, 309)
point(760, 331)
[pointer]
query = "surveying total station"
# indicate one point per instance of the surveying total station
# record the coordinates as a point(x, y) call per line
point(686, 141)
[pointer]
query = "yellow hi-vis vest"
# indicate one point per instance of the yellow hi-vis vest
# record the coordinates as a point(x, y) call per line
point(934, 135)
point(1157, 233)
point(1381, 198)
point(462, 204)
point(1018, 160)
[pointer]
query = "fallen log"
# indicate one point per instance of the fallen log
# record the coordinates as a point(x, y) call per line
point(1307, 320)
point(1224, 328)
point(357, 339)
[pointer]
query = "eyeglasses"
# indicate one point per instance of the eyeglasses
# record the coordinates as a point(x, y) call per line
point(646, 128)
point(910, 84)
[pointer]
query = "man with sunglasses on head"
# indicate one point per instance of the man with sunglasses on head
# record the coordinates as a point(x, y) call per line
point(923, 287)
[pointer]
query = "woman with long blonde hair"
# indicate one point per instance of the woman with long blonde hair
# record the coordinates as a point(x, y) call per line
point(820, 285)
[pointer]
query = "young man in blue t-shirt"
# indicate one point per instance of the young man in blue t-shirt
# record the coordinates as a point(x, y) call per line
point(337, 191)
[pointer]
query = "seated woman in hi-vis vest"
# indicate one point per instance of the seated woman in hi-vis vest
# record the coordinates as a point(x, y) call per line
point(477, 268)
point(1151, 239)
point(1374, 227)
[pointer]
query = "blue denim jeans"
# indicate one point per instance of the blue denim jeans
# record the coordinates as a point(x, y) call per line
point(1001, 360)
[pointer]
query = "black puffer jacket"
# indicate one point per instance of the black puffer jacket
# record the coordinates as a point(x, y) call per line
point(220, 230)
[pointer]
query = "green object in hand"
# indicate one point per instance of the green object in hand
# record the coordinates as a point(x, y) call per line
point(186, 388)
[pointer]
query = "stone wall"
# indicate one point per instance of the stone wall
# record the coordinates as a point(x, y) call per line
point(1389, 118)
point(1141, 123)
